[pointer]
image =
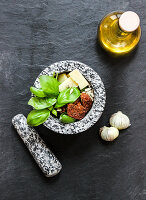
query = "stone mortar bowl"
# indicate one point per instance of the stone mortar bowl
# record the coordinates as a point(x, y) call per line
point(98, 103)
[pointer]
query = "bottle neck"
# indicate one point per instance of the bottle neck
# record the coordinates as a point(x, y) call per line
point(118, 31)
point(122, 32)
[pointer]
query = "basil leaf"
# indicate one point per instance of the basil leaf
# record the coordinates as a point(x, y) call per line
point(50, 85)
point(41, 103)
point(54, 112)
point(37, 117)
point(37, 92)
point(50, 108)
point(66, 119)
point(65, 97)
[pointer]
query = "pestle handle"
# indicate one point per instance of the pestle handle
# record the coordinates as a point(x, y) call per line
point(43, 156)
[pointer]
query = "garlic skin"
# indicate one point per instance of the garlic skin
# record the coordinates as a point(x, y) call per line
point(108, 133)
point(119, 120)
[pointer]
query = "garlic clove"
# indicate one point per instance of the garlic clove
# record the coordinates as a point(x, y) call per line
point(109, 133)
point(119, 120)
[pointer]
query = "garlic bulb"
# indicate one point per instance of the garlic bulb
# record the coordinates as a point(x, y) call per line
point(109, 133)
point(119, 121)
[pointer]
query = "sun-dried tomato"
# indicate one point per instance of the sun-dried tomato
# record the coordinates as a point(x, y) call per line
point(86, 101)
point(76, 110)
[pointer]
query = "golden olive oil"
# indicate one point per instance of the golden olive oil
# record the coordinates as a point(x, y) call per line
point(115, 40)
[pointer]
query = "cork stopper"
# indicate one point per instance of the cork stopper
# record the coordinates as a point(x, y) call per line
point(129, 21)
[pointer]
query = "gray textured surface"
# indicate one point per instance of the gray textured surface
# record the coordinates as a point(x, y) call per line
point(36, 33)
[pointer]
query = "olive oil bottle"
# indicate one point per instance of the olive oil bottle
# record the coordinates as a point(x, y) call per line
point(119, 32)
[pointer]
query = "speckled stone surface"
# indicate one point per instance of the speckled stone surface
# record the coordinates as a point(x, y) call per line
point(99, 97)
point(45, 159)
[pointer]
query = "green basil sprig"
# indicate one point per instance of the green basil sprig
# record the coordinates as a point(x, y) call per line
point(41, 103)
point(49, 85)
point(67, 97)
point(54, 112)
point(66, 119)
point(37, 117)
point(50, 108)
point(37, 92)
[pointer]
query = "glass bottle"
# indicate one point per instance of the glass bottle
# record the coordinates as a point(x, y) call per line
point(119, 32)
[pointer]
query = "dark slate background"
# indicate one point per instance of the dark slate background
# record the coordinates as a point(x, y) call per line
point(36, 33)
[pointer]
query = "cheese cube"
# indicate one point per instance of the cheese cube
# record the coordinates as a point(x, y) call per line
point(78, 78)
point(68, 83)
point(62, 78)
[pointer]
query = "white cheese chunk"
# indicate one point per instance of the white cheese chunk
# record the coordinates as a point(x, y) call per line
point(62, 78)
point(68, 83)
point(78, 78)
